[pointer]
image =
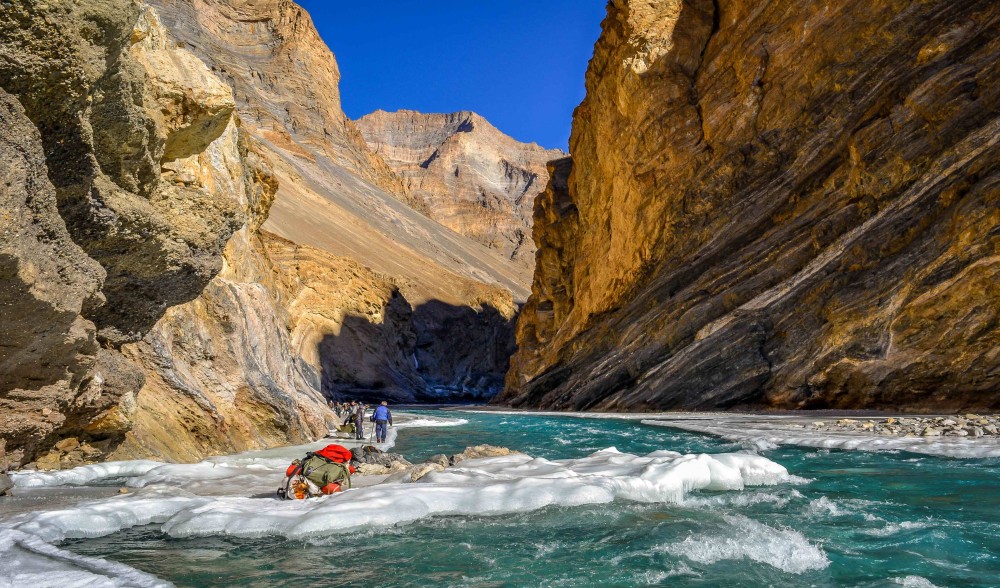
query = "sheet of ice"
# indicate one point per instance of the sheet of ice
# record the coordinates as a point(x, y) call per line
point(26, 560)
point(746, 538)
point(245, 474)
point(215, 476)
point(430, 422)
point(108, 473)
point(762, 430)
point(493, 486)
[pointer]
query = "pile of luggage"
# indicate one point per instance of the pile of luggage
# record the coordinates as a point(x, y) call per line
point(319, 473)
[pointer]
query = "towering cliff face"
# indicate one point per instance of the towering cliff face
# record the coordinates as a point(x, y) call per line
point(283, 76)
point(221, 372)
point(468, 175)
point(334, 192)
point(774, 205)
point(108, 216)
point(146, 310)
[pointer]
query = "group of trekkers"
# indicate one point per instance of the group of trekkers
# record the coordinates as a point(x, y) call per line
point(353, 415)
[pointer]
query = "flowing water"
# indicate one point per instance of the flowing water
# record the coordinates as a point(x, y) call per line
point(840, 518)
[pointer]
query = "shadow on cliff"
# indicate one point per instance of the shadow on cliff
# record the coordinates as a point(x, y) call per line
point(436, 352)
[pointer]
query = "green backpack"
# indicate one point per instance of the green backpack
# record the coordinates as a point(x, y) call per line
point(321, 472)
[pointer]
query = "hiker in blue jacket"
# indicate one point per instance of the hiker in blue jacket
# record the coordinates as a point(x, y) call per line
point(382, 418)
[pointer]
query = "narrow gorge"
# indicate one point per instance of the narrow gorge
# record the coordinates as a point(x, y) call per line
point(765, 207)
point(269, 322)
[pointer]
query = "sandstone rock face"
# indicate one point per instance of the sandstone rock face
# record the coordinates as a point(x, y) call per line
point(222, 374)
point(48, 349)
point(774, 206)
point(115, 110)
point(469, 176)
point(100, 236)
point(282, 74)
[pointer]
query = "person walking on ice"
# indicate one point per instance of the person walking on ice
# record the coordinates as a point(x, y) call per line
point(359, 422)
point(382, 418)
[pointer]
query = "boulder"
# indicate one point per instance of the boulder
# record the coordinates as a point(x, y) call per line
point(439, 459)
point(371, 469)
point(5, 484)
point(371, 455)
point(423, 469)
point(481, 451)
point(67, 445)
point(49, 461)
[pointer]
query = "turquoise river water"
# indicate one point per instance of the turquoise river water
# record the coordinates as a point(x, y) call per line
point(846, 518)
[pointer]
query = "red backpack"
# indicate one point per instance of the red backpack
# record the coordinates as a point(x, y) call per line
point(335, 453)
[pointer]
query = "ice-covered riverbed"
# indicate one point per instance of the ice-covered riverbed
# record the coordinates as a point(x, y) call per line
point(666, 506)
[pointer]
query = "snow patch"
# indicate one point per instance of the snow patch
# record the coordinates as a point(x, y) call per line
point(430, 422)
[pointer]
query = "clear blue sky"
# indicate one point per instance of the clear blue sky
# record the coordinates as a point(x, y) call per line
point(519, 63)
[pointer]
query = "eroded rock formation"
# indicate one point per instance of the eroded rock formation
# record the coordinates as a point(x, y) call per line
point(145, 310)
point(468, 175)
point(774, 205)
point(222, 374)
point(99, 115)
point(360, 332)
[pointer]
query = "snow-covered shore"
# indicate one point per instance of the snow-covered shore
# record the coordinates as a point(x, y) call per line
point(234, 496)
point(805, 431)
point(801, 429)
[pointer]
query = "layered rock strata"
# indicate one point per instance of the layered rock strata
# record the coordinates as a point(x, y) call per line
point(468, 175)
point(774, 206)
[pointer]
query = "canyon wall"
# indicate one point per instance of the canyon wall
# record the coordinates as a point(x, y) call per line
point(359, 331)
point(125, 186)
point(774, 205)
point(152, 305)
point(349, 221)
point(467, 174)
point(334, 193)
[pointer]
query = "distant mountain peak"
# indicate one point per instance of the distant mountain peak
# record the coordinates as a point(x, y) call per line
point(468, 174)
